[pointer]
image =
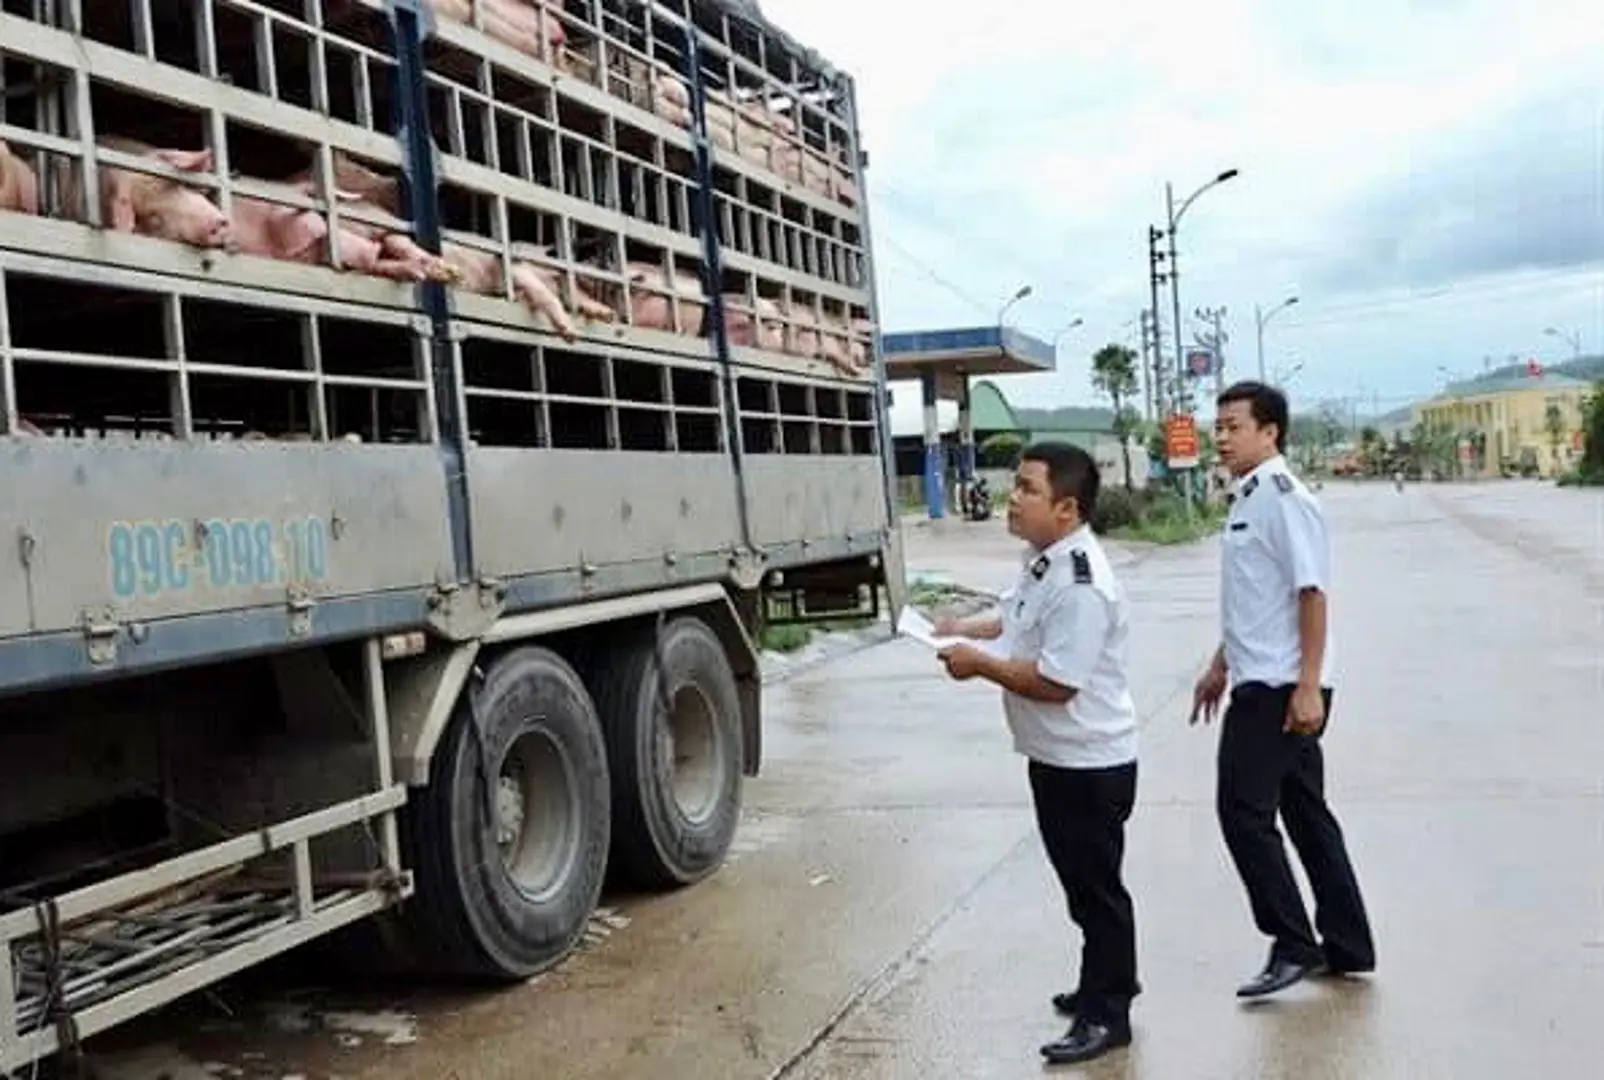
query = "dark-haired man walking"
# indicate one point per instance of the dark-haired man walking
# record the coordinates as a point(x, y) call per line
point(1276, 573)
point(1060, 659)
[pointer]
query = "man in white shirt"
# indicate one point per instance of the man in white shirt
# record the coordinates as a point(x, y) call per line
point(1059, 655)
point(1275, 576)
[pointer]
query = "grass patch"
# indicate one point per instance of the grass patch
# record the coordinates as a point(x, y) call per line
point(793, 637)
point(932, 594)
point(1163, 520)
point(1581, 478)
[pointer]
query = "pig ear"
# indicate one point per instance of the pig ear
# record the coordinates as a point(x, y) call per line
point(189, 160)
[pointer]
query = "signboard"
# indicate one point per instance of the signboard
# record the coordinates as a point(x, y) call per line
point(1181, 441)
point(1200, 362)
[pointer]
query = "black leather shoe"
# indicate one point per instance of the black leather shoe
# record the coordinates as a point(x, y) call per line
point(1085, 1041)
point(1341, 967)
point(1066, 1004)
point(1276, 976)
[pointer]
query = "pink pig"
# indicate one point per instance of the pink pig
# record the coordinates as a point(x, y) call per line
point(536, 287)
point(525, 25)
point(155, 205)
point(649, 303)
point(19, 188)
point(770, 333)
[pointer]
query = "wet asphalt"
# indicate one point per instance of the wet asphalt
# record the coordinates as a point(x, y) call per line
point(888, 912)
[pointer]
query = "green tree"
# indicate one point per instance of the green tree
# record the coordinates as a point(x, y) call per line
point(1002, 450)
point(1114, 374)
point(1372, 451)
point(1593, 434)
point(1554, 424)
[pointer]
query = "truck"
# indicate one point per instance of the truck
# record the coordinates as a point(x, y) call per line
point(413, 415)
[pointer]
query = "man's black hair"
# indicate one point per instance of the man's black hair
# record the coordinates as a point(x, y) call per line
point(1071, 472)
point(1267, 404)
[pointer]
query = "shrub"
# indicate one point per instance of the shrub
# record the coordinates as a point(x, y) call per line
point(1118, 509)
point(1002, 451)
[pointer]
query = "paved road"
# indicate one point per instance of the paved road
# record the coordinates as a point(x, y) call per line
point(889, 913)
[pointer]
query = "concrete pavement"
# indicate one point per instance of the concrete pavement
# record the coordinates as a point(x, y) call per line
point(889, 912)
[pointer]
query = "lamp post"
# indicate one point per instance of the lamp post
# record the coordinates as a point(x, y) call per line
point(1024, 291)
point(1283, 378)
point(1263, 318)
point(1572, 336)
point(1183, 397)
point(1058, 335)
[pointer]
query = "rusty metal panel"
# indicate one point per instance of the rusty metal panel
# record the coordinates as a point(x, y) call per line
point(153, 530)
point(539, 510)
point(811, 498)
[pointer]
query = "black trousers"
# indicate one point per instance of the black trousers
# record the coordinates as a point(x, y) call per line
point(1081, 814)
point(1264, 770)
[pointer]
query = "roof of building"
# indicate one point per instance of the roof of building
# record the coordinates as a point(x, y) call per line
point(1506, 382)
point(981, 350)
point(993, 412)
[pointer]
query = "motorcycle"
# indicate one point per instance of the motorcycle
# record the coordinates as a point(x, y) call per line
point(977, 502)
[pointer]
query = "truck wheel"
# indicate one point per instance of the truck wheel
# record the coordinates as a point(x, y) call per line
point(676, 770)
point(510, 838)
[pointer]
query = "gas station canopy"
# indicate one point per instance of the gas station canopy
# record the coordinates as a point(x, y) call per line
point(985, 350)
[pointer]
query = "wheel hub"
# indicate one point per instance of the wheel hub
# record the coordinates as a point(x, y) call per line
point(537, 814)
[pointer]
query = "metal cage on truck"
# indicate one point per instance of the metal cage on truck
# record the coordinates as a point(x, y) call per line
point(290, 548)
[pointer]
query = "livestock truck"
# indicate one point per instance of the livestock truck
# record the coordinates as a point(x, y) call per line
point(412, 414)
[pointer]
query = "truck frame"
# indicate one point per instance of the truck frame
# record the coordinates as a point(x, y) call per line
point(331, 603)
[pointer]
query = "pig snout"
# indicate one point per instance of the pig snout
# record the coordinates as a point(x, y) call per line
point(192, 218)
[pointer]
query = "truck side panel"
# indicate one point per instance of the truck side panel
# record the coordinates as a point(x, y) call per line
point(192, 528)
point(542, 510)
point(814, 498)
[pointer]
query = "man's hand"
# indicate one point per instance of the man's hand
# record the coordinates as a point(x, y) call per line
point(949, 626)
point(1207, 693)
point(963, 661)
point(1306, 713)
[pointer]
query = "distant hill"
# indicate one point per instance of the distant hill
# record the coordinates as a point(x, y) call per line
point(1587, 368)
point(1590, 368)
point(1068, 418)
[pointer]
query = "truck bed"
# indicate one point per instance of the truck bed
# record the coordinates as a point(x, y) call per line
point(237, 454)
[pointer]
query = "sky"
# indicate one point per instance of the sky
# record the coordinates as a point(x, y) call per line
point(1426, 176)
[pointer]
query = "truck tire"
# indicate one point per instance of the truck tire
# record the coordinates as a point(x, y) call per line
point(676, 777)
point(506, 895)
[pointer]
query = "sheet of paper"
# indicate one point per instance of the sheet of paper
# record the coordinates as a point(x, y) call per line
point(914, 625)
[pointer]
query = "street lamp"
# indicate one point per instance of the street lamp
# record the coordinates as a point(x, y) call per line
point(1574, 337)
point(1265, 317)
point(1059, 334)
point(1024, 291)
point(1174, 217)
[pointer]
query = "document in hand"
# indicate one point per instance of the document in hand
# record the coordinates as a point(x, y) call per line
point(914, 625)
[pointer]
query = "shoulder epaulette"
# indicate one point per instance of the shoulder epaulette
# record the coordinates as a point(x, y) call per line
point(1283, 482)
point(1249, 487)
point(1082, 567)
point(1038, 569)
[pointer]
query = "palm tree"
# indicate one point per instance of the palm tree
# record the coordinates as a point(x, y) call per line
point(1114, 374)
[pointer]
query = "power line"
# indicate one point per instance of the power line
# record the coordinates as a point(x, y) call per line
point(1484, 291)
point(930, 274)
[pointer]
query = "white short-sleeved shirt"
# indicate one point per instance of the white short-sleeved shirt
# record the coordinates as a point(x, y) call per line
point(1275, 545)
point(1068, 614)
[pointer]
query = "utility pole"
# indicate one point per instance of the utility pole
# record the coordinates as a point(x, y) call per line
point(1156, 277)
point(1173, 221)
point(1147, 378)
point(1216, 317)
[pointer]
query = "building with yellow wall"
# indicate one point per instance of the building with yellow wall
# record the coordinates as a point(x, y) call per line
point(1511, 422)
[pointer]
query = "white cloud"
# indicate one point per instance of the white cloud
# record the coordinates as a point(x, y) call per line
point(1030, 140)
